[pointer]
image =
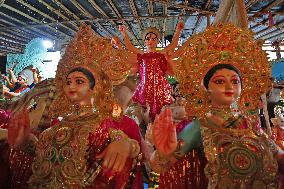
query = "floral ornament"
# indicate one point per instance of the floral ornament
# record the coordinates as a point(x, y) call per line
point(223, 44)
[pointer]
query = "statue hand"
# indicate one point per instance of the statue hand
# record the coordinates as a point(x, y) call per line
point(18, 128)
point(4, 77)
point(115, 155)
point(115, 41)
point(33, 69)
point(149, 134)
point(164, 133)
point(122, 28)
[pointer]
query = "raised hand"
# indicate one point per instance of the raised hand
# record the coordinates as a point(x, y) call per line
point(164, 133)
point(10, 70)
point(122, 28)
point(33, 69)
point(18, 128)
point(4, 77)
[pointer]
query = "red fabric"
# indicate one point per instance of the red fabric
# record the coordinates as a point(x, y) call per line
point(20, 89)
point(4, 118)
point(153, 87)
point(131, 129)
point(181, 125)
point(187, 173)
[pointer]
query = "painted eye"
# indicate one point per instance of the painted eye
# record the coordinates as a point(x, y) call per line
point(219, 81)
point(235, 81)
point(79, 81)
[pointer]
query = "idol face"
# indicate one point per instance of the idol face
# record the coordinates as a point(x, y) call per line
point(77, 88)
point(151, 40)
point(224, 87)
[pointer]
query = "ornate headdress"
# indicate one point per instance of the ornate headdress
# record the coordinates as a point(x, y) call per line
point(96, 54)
point(223, 44)
point(151, 30)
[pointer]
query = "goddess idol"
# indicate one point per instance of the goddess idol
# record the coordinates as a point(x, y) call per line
point(222, 74)
point(153, 88)
point(84, 147)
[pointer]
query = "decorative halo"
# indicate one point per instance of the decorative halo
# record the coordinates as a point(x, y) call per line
point(96, 54)
point(223, 44)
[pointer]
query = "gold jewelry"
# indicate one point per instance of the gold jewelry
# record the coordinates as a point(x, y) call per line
point(224, 112)
point(79, 109)
point(223, 44)
point(117, 135)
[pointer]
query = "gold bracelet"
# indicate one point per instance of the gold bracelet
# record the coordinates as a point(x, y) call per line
point(117, 135)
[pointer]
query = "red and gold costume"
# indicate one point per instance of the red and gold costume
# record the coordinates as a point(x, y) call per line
point(153, 88)
point(187, 172)
point(237, 155)
point(65, 155)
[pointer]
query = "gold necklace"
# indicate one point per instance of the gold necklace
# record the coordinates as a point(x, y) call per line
point(229, 115)
point(78, 109)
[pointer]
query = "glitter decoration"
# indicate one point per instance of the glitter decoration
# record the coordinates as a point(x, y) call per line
point(96, 54)
point(223, 44)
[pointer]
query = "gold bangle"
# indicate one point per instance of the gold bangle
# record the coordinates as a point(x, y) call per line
point(117, 135)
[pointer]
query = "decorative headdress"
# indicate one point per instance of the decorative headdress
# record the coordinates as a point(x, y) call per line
point(96, 54)
point(223, 44)
point(151, 30)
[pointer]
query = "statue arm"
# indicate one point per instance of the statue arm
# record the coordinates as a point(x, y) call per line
point(128, 43)
point(175, 39)
point(13, 77)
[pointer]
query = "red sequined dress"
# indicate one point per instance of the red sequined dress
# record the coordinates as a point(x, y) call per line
point(153, 87)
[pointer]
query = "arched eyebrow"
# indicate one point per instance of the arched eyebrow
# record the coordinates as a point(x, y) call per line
point(218, 76)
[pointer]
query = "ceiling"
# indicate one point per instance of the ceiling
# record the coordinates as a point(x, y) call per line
point(58, 20)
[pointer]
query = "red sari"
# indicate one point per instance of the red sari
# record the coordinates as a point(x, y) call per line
point(153, 88)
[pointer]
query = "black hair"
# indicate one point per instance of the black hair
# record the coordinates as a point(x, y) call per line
point(217, 67)
point(87, 73)
point(151, 33)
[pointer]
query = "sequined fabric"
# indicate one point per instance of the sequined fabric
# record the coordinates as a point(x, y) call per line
point(153, 87)
point(239, 158)
point(187, 173)
point(20, 168)
point(66, 154)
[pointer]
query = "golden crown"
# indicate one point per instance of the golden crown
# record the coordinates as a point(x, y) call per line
point(223, 44)
point(108, 65)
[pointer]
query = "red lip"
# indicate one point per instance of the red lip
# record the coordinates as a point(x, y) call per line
point(72, 92)
point(229, 93)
